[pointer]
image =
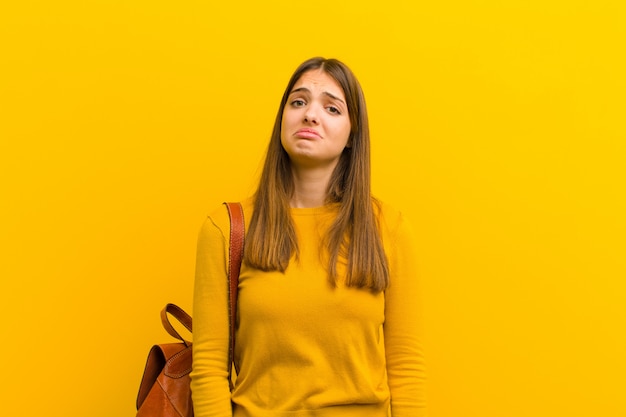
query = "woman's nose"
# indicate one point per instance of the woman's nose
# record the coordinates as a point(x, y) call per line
point(310, 116)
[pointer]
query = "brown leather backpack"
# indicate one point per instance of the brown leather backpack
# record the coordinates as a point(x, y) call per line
point(165, 386)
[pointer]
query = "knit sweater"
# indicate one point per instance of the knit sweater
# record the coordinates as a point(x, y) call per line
point(304, 348)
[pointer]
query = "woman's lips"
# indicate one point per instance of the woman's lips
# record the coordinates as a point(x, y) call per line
point(307, 134)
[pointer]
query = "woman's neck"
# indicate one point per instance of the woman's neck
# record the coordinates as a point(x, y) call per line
point(310, 187)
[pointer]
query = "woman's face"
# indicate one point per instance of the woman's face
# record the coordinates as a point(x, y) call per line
point(315, 126)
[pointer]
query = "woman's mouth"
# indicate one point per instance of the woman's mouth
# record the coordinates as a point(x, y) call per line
point(307, 134)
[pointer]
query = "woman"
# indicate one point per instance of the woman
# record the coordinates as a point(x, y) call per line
point(327, 317)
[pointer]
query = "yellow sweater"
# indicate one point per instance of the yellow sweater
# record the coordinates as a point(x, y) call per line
point(303, 348)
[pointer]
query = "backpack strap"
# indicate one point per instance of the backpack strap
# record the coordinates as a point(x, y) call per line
point(180, 315)
point(235, 252)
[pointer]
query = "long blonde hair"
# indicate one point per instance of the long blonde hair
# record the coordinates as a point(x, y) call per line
point(354, 235)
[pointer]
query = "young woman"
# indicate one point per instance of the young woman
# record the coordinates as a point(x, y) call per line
point(327, 319)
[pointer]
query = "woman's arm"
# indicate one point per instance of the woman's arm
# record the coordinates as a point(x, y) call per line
point(209, 377)
point(403, 344)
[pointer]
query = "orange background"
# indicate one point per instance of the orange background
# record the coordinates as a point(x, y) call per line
point(497, 126)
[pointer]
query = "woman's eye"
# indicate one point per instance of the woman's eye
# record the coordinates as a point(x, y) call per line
point(297, 103)
point(333, 110)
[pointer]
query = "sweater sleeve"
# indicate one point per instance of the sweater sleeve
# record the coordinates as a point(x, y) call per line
point(403, 344)
point(209, 376)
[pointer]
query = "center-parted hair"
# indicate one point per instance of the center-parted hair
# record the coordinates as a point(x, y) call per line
point(354, 236)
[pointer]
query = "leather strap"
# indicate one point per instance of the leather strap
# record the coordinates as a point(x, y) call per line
point(235, 252)
point(181, 316)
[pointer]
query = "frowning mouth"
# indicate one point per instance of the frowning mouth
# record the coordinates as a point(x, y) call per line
point(307, 134)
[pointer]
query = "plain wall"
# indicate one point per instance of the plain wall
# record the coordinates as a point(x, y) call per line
point(497, 126)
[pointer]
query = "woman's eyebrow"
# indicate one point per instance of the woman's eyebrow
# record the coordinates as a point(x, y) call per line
point(299, 90)
point(333, 97)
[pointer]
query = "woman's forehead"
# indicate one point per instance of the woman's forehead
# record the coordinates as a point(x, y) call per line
point(318, 81)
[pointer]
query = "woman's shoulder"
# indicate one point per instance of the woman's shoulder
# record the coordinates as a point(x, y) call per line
point(385, 210)
point(220, 218)
point(389, 217)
